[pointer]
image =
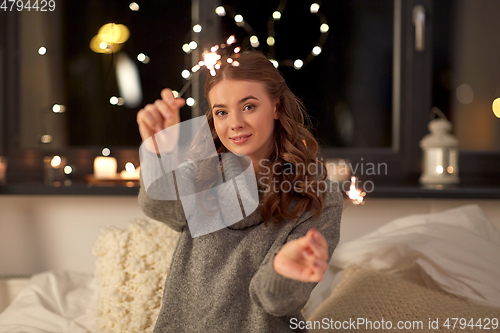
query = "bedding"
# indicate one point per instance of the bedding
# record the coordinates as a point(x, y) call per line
point(367, 300)
point(54, 301)
point(456, 252)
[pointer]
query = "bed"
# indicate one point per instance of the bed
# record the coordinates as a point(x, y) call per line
point(422, 269)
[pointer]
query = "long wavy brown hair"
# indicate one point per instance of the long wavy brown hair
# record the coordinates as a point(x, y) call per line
point(294, 149)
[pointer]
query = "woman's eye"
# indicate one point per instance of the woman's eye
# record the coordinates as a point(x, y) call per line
point(248, 107)
point(220, 113)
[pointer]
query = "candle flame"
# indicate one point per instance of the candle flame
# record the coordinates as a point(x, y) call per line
point(55, 162)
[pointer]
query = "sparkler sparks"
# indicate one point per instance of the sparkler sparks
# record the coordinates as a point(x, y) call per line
point(355, 194)
point(212, 61)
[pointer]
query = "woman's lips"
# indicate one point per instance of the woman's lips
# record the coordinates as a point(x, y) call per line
point(241, 140)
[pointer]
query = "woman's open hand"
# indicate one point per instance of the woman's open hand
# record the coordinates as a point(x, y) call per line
point(303, 259)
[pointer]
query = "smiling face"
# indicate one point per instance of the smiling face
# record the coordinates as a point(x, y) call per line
point(244, 117)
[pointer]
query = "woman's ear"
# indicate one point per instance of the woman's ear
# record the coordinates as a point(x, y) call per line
point(276, 108)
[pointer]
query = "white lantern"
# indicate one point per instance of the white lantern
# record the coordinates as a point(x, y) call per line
point(440, 154)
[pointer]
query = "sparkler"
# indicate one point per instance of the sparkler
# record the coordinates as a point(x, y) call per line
point(355, 195)
point(212, 61)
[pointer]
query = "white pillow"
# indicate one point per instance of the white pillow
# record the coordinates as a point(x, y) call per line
point(131, 267)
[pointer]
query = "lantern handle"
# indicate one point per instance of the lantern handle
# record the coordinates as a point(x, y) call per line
point(435, 111)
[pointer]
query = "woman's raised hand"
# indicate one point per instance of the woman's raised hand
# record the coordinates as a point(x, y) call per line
point(303, 259)
point(162, 114)
point(155, 117)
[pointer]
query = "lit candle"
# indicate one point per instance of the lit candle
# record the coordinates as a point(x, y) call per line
point(130, 172)
point(105, 167)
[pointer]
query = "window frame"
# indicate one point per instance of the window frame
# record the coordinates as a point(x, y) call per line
point(412, 104)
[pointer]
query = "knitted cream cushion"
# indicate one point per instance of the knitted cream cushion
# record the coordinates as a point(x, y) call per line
point(375, 296)
point(131, 267)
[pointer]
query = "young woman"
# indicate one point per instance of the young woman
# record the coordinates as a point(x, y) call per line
point(257, 274)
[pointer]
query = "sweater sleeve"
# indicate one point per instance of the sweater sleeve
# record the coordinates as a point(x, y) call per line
point(281, 296)
point(164, 204)
point(169, 212)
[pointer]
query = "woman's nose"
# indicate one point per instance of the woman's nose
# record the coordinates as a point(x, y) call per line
point(237, 120)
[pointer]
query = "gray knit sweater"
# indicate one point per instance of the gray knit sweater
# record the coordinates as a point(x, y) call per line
point(224, 281)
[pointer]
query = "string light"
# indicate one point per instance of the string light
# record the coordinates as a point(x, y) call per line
point(220, 11)
point(47, 138)
point(314, 8)
point(42, 50)
point(57, 108)
point(106, 151)
point(271, 39)
point(297, 64)
point(186, 48)
point(193, 45)
point(68, 169)
point(190, 101)
point(239, 20)
point(254, 41)
point(197, 28)
point(113, 100)
point(133, 6)
point(496, 107)
point(186, 74)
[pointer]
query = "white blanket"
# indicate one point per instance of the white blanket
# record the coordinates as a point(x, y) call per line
point(53, 302)
point(458, 250)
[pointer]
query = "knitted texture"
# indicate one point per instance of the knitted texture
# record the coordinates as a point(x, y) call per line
point(131, 267)
point(375, 296)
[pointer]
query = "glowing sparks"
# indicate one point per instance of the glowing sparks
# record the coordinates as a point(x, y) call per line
point(211, 60)
point(355, 194)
